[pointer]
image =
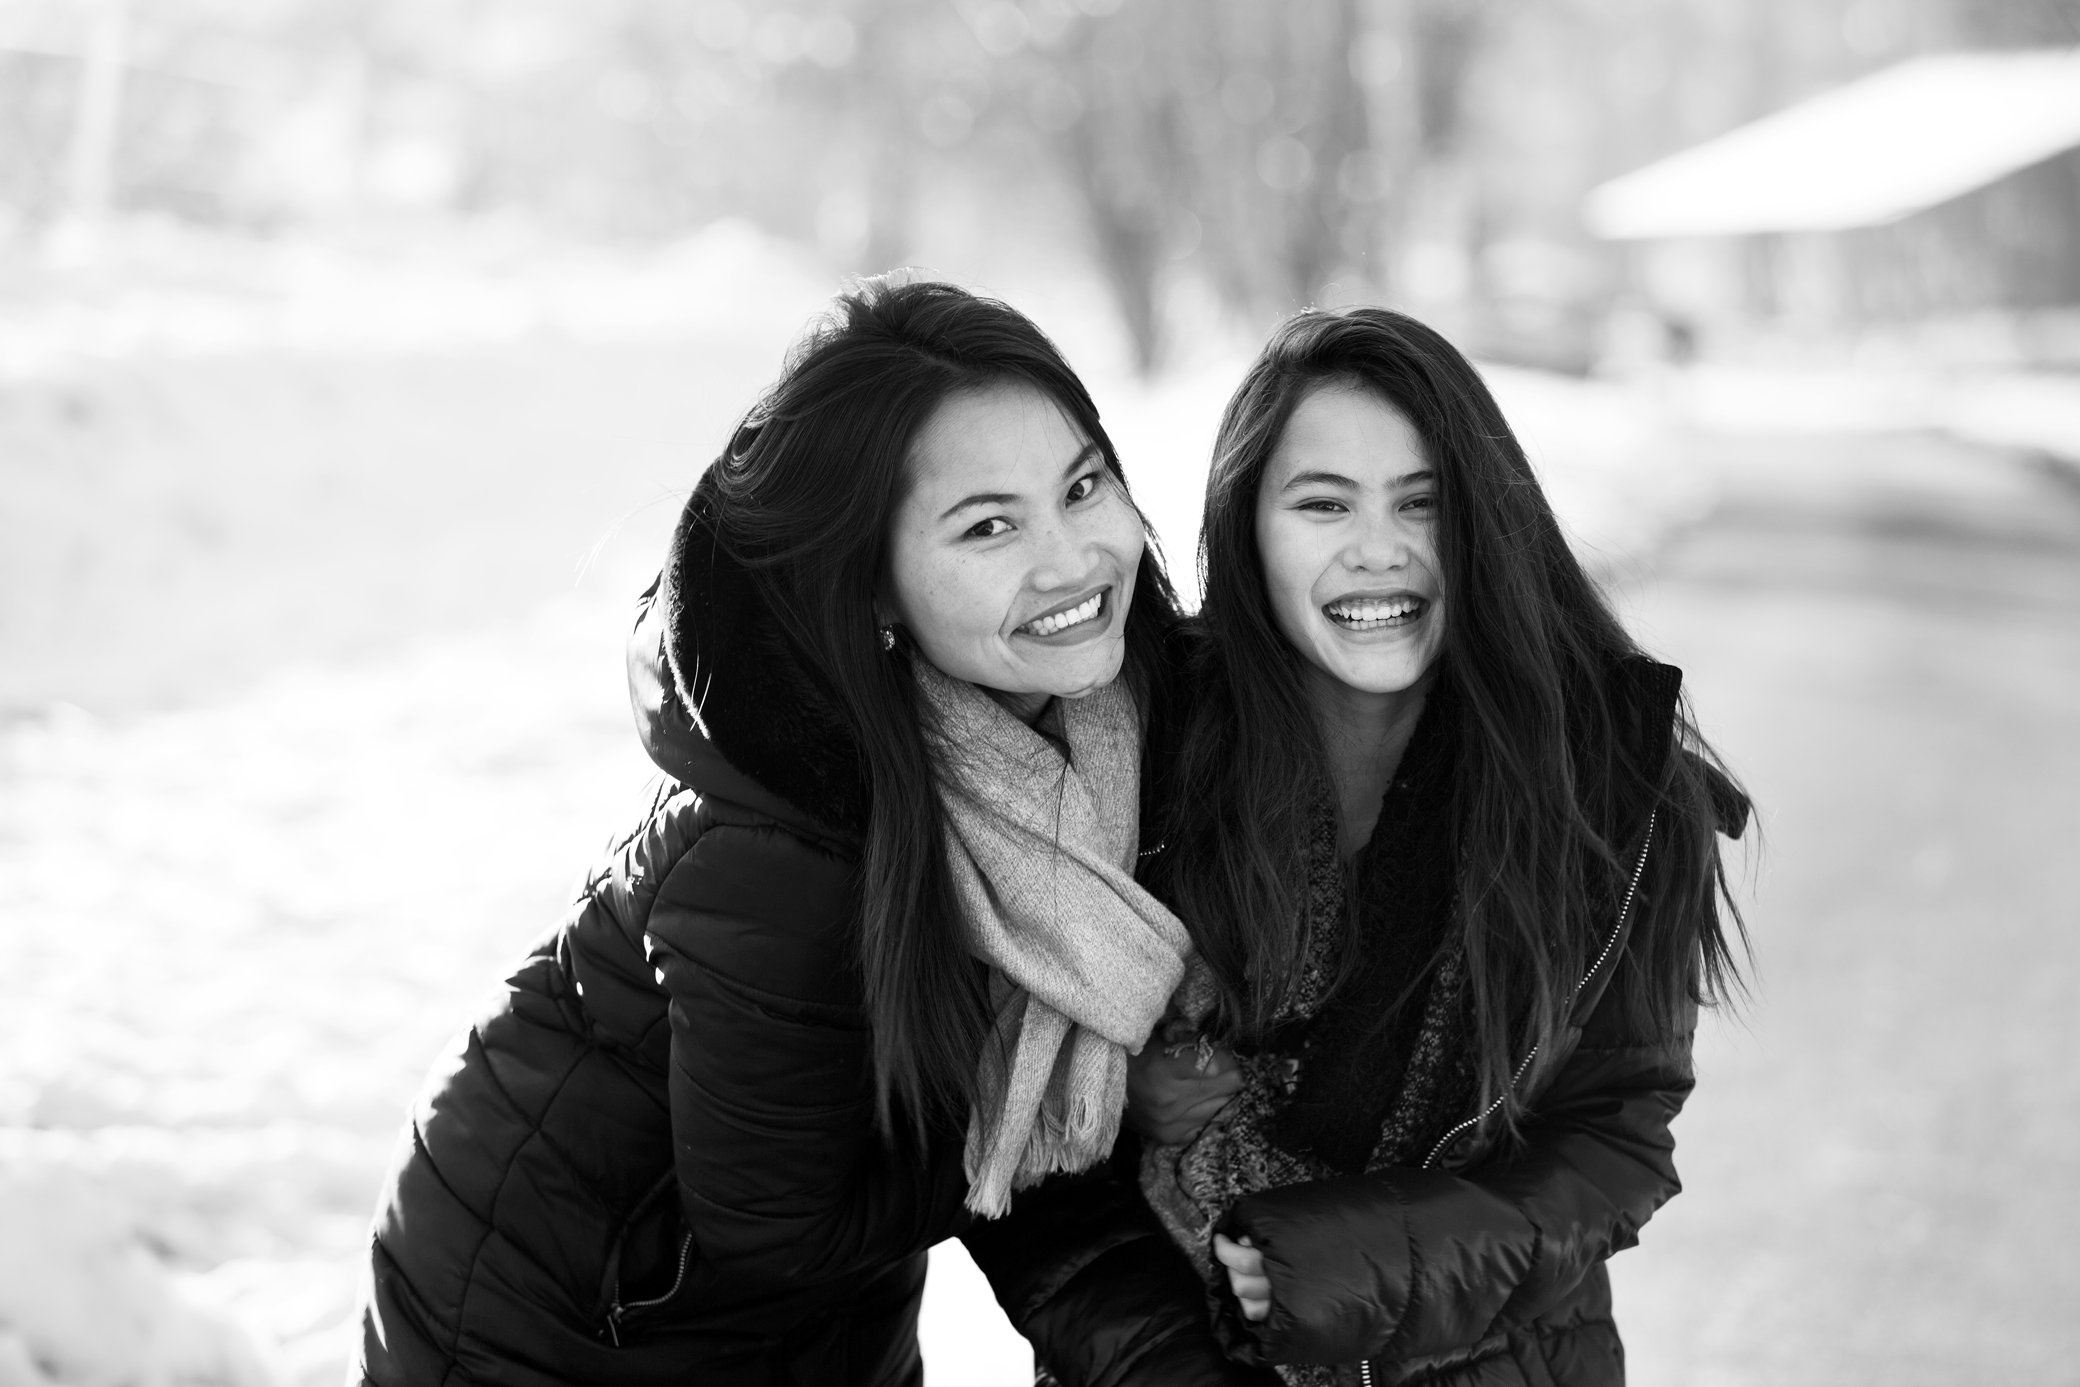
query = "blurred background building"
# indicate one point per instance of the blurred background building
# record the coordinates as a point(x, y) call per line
point(355, 355)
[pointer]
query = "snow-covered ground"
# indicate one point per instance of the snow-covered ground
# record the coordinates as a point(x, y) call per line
point(246, 930)
point(239, 929)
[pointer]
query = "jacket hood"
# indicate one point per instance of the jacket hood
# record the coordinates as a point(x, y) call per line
point(722, 699)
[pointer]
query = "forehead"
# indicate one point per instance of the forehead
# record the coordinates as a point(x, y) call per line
point(1007, 436)
point(1351, 431)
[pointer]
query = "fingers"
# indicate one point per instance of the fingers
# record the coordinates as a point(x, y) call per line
point(1159, 1080)
point(1245, 1268)
point(1192, 1054)
point(1205, 1055)
point(1182, 1076)
point(1210, 1097)
point(1178, 1132)
point(1238, 1256)
point(1184, 1067)
point(1174, 1126)
point(1170, 1096)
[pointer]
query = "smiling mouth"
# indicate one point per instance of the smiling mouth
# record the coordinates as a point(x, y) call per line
point(1376, 613)
point(1054, 623)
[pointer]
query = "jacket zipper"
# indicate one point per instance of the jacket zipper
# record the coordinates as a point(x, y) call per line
point(1624, 912)
point(1631, 891)
point(617, 1310)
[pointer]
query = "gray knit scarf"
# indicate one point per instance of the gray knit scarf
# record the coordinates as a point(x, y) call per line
point(1041, 848)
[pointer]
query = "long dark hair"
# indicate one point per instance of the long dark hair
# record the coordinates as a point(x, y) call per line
point(804, 498)
point(1531, 651)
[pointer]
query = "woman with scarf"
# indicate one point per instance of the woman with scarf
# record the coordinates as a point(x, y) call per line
point(1445, 841)
point(872, 954)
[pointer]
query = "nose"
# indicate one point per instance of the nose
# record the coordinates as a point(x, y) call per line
point(1063, 556)
point(1378, 543)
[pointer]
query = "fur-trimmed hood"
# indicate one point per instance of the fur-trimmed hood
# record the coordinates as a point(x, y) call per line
point(723, 701)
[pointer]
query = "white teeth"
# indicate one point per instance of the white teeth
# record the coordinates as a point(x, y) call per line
point(1062, 621)
point(1370, 612)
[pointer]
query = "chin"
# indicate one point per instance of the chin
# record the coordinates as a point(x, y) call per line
point(1399, 679)
point(1097, 678)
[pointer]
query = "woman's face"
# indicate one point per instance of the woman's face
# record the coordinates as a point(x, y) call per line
point(1012, 558)
point(1347, 527)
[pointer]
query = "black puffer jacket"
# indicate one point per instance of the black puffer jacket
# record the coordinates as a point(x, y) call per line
point(1484, 1270)
point(654, 1160)
point(1487, 1271)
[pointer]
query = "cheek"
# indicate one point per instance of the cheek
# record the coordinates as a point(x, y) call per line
point(924, 596)
point(952, 604)
point(1425, 547)
point(1289, 571)
point(1426, 556)
point(905, 581)
point(1124, 534)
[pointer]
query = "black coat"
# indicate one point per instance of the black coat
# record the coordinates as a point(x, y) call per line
point(654, 1160)
point(1487, 1268)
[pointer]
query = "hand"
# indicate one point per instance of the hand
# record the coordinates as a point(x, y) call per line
point(1245, 1275)
point(1170, 1097)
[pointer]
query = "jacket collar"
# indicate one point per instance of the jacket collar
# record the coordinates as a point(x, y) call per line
point(722, 699)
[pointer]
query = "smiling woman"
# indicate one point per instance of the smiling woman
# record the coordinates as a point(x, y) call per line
point(1350, 558)
point(1013, 552)
point(1465, 939)
point(1346, 531)
point(1444, 839)
point(871, 954)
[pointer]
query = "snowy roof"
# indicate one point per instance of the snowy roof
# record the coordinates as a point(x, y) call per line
point(1868, 153)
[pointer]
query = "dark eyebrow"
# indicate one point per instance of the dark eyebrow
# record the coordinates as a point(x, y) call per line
point(1299, 479)
point(1338, 479)
point(1005, 498)
point(1079, 460)
point(980, 498)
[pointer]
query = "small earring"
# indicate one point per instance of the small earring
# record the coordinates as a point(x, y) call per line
point(888, 637)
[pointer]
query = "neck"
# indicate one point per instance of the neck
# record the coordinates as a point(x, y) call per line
point(1364, 734)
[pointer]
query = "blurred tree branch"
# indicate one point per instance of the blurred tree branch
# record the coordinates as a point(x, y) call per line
point(1229, 128)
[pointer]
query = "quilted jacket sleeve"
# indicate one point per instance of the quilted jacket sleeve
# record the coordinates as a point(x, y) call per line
point(1406, 1263)
point(781, 1172)
point(1085, 1272)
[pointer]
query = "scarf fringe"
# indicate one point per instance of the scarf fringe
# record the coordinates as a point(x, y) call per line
point(1041, 850)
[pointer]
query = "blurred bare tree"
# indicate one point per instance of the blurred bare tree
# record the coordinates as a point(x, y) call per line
point(1263, 153)
point(1223, 126)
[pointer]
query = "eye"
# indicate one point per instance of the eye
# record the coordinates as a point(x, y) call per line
point(1322, 505)
point(987, 529)
point(1085, 486)
point(1425, 503)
